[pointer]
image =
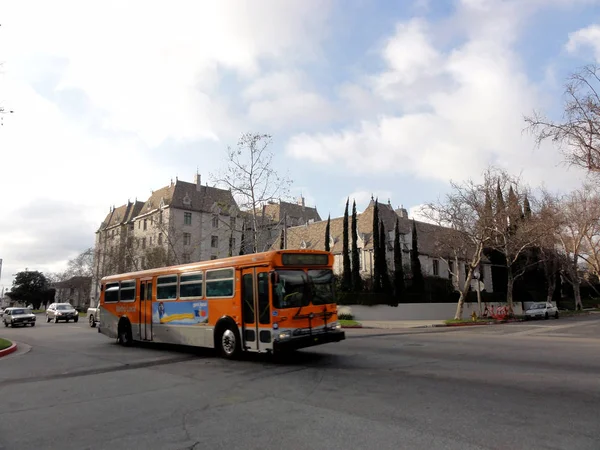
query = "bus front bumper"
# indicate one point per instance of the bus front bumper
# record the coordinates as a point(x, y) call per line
point(308, 341)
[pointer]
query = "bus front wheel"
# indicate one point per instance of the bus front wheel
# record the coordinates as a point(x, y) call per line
point(228, 342)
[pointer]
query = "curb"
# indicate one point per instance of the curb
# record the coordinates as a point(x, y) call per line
point(9, 350)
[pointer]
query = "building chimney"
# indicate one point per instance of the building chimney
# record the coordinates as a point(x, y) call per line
point(301, 201)
point(198, 181)
point(402, 212)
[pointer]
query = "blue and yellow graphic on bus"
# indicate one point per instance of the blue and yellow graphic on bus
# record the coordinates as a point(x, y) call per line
point(180, 313)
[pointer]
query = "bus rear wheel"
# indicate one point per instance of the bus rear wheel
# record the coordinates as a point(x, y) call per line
point(125, 337)
point(229, 342)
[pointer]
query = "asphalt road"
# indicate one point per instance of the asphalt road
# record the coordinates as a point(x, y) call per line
point(518, 386)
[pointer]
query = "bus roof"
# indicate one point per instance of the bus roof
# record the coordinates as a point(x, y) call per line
point(241, 260)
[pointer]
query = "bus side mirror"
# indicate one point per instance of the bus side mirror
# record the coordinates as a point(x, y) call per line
point(274, 278)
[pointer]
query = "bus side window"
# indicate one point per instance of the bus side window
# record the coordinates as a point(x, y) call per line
point(264, 308)
point(247, 298)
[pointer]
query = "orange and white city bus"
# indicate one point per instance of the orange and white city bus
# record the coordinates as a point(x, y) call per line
point(261, 302)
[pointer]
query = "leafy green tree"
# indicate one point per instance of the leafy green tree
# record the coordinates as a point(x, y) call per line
point(30, 287)
point(398, 269)
point(418, 283)
point(357, 281)
point(376, 250)
point(346, 275)
point(328, 234)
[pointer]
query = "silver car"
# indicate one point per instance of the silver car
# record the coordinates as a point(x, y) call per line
point(18, 316)
point(61, 311)
point(541, 311)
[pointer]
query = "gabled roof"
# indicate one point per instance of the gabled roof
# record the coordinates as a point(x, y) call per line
point(74, 282)
point(190, 196)
point(296, 214)
point(122, 214)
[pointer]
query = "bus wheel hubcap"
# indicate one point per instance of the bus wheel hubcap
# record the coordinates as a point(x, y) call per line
point(228, 341)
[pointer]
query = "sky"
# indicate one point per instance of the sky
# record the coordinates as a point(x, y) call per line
point(393, 99)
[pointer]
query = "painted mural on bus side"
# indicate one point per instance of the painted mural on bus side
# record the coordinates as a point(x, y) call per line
point(180, 313)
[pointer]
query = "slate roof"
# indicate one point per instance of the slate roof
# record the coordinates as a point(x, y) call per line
point(74, 282)
point(173, 195)
point(296, 214)
point(122, 214)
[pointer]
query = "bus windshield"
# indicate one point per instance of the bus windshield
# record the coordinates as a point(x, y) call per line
point(298, 288)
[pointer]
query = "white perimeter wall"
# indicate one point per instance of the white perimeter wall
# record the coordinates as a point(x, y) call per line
point(415, 311)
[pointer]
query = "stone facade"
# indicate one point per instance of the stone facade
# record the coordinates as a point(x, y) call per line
point(180, 223)
point(75, 290)
point(433, 261)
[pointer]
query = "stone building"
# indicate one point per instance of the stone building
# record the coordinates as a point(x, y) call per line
point(179, 223)
point(75, 290)
point(431, 254)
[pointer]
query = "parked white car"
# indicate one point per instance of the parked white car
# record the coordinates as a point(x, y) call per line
point(93, 316)
point(541, 311)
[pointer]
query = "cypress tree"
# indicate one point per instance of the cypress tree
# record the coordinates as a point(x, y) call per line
point(415, 264)
point(327, 234)
point(376, 250)
point(515, 213)
point(398, 269)
point(282, 240)
point(346, 275)
point(357, 284)
point(500, 208)
point(526, 208)
point(242, 239)
point(383, 266)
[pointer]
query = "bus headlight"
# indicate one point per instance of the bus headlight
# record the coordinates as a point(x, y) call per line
point(284, 335)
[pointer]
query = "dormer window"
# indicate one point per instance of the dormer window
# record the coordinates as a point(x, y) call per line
point(187, 201)
point(303, 245)
point(331, 241)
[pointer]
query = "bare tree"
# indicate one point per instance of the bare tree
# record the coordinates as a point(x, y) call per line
point(516, 232)
point(251, 177)
point(579, 132)
point(576, 215)
point(82, 265)
point(467, 217)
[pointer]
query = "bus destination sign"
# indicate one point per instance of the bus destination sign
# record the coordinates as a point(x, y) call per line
point(304, 259)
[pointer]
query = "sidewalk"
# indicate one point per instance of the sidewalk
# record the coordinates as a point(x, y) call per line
point(393, 324)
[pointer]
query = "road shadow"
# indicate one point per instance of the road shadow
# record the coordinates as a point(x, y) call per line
point(290, 358)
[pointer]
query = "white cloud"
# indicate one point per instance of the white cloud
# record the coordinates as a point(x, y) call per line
point(588, 37)
point(284, 99)
point(468, 116)
point(153, 67)
point(98, 91)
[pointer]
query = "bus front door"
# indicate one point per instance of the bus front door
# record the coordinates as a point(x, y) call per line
point(256, 310)
point(146, 310)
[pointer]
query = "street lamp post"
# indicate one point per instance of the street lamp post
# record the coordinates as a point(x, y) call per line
point(477, 275)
